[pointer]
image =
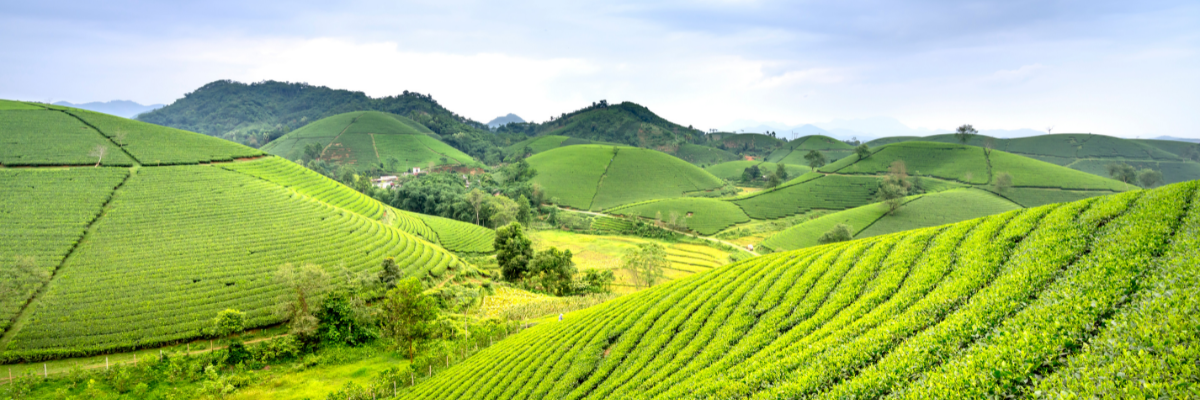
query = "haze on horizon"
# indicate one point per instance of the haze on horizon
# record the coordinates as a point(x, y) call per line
point(1108, 67)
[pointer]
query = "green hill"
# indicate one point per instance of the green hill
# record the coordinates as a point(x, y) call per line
point(919, 211)
point(594, 177)
point(1178, 161)
point(704, 155)
point(732, 170)
point(370, 140)
point(146, 254)
point(794, 151)
point(1091, 299)
point(626, 123)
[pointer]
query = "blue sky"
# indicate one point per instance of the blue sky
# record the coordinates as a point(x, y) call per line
point(1112, 67)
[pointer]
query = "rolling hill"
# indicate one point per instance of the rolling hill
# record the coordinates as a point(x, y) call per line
point(852, 182)
point(794, 151)
point(732, 170)
point(1178, 161)
point(370, 140)
point(596, 177)
point(146, 247)
point(626, 123)
point(1089, 299)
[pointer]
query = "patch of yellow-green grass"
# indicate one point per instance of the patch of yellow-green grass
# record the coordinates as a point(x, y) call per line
point(604, 253)
point(317, 382)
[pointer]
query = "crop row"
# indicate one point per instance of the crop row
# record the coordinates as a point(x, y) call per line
point(829, 192)
point(43, 213)
point(159, 145)
point(457, 235)
point(977, 309)
point(179, 244)
point(44, 137)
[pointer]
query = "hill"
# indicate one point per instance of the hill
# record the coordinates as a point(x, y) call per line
point(1178, 161)
point(755, 145)
point(732, 170)
point(1083, 300)
point(259, 112)
point(120, 108)
point(145, 248)
point(794, 151)
point(595, 177)
point(370, 140)
point(507, 119)
point(626, 123)
point(852, 182)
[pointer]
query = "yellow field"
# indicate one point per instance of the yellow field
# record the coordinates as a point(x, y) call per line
point(604, 252)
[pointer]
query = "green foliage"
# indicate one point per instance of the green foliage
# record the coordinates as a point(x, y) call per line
point(955, 162)
point(599, 177)
point(751, 174)
point(937, 209)
point(815, 159)
point(344, 318)
point(863, 151)
point(407, 314)
point(625, 123)
point(513, 251)
point(596, 281)
point(733, 170)
point(1066, 299)
point(839, 233)
point(1002, 182)
point(1122, 172)
point(572, 173)
point(1149, 178)
point(304, 291)
point(44, 137)
point(228, 322)
point(1029, 172)
point(707, 216)
point(781, 174)
point(645, 263)
point(552, 270)
point(964, 133)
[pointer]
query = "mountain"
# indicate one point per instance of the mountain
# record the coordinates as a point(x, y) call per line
point(369, 140)
point(507, 119)
point(1178, 161)
point(259, 112)
point(140, 234)
point(626, 123)
point(120, 108)
point(1193, 140)
point(1089, 299)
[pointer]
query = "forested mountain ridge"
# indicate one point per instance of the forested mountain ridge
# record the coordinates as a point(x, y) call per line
point(626, 123)
point(259, 112)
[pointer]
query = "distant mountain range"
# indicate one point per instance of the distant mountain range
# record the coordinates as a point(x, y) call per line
point(863, 129)
point(507, 119)
point(1178, 139)
point(120, 108)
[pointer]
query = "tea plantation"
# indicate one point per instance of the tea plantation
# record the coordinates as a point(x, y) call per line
point(1089, 299)
point(146, 249)
point(370, 139)
point(598, 177)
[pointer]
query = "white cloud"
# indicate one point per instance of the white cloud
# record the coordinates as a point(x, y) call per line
point(1022, 74)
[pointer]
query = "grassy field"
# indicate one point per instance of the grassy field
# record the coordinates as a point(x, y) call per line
point(794, 151)
point(597, 177)
point(706, 216)
point(1028, 172)
point(703, 155)
point(365, 139)
point(159, 145)
point(44, 137)
point(604, 252)
point(1083, 300)
point(572, 173)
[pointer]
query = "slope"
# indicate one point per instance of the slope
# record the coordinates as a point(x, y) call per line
point(370, 140)
point(1178, 161)
point(794, 151)
point(114, 258)
point(1003, 306)
point(598, 177)
point(626, 123)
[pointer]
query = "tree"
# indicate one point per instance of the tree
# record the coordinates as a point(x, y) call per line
point(773, 180)
point(554, 270)
point(228, 322)
point(99, 151)
point(513, 251)
point(781, 172)
point(524, 211)
point(1149, 178)
point(597, 280)
point(312, 151)
point(408, 313)
point(1003, 182)
point(1122, 172)
point(815, 159)
point(862, 151)
point(305, 289)
point(839, 233)
point(645, 263)
point(390, 273)
point(476, 198)
point(345, 318)
point(750, 174)
point(895, 186)
point(502, 210)
point(964, 133)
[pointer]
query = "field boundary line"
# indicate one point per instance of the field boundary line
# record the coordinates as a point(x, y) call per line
point(136, 162)
point(600, 182)
point(335, 138)
point(880, 217)
point(374, 146)
point(18, 320)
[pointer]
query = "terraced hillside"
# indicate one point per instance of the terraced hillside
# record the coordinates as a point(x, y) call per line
point(1090, 299)
point(794, 151)
point(116, 257)
point(627, 123)
point(1178, 161)
point(853, 182)
point(370, 140)
point(598, 177)
point(732, 170)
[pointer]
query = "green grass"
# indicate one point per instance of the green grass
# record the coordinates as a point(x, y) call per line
point(17, 105)
point(43, 137)
point(572, 173)
point(1173, 171)
point(946, 161)
point(732, 170)
point(939, 209)
point(703, 155)
point(637, 174)
point(365, 139)
point(1091, 299)
point(44, 212)
point(815, 192)
point(179, 244)
point(1033, 197)
point(159, 145)
point(706, 216)
point(1033, 173)
point(807, 233)
point(537, 144)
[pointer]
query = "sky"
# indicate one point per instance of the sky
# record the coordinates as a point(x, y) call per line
point(1122, 68)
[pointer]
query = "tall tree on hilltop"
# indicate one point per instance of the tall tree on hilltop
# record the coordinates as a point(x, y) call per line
point(815, 159)
point(964, 133)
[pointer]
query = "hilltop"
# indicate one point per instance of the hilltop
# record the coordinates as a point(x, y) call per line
point(596, 177)
point(626, 123)
point(1178, 161)
point(144, 242)
point(369, 140)
point(259, 112)
point(1087, 299)
point(120, 108)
